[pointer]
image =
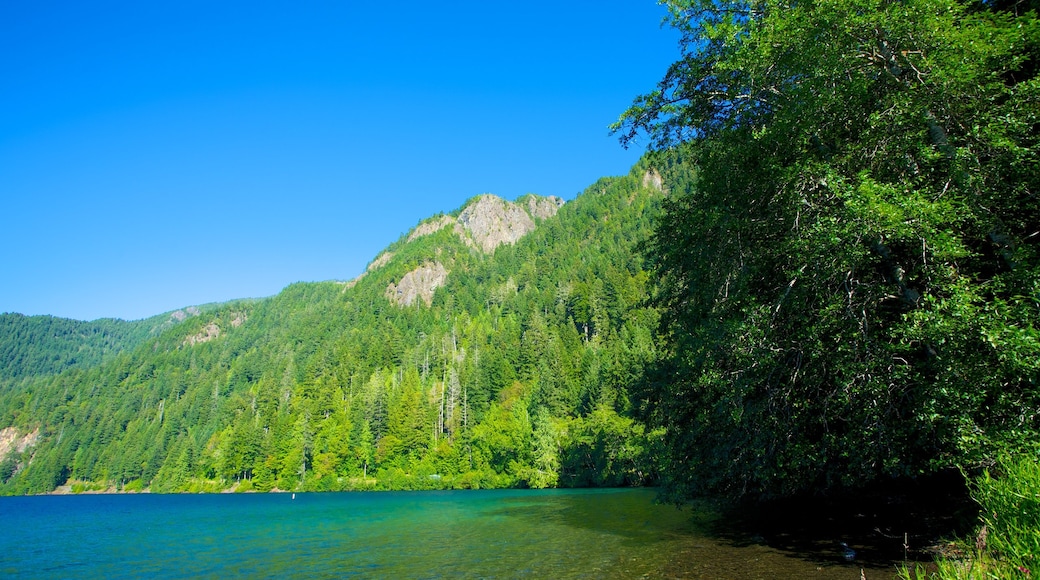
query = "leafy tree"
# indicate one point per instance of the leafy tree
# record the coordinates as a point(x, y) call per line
point(546, 441)
point(8, 467)
point(36, 345)
point(606, 449)
point(849, 284)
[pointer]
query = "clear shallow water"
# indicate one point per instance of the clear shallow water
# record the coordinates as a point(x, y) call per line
point(455, 534)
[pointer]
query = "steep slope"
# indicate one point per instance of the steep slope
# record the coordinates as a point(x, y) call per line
point(512, 370)
point(41, 345)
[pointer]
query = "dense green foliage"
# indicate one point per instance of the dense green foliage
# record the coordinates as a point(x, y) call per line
point(850, 287)
point(517, 374)
point(40, 345)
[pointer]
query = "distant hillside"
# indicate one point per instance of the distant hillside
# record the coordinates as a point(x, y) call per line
point(43, 345)
point(490, 346)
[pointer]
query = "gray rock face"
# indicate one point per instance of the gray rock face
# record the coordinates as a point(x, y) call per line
point(12, 442)
point(543, 207)
point(205, 335)
point(181, 315)
point(430, 226)
point(379, 262)
point(653, 180)
point(486, 223)
point(491, 221)
point(419, 284)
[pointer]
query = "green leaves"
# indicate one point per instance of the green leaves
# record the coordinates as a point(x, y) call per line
point(843, 285)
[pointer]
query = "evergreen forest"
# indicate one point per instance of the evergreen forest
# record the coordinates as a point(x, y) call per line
point(43, 345)
point(517, 373)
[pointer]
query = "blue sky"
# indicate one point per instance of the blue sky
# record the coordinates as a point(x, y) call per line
point(155, 155)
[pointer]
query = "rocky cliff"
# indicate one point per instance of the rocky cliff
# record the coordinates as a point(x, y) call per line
point(491, 221)
point(419, 284)
point(485, 223)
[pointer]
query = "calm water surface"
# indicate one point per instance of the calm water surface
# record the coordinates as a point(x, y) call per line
point(456, 534)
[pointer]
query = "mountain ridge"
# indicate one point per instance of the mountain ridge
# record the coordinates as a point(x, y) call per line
point(46, 344)
point(513, 374)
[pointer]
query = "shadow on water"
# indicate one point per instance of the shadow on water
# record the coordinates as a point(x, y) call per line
point(631, 514)
point(868, 532)
point(655, 540)
point(878, 527)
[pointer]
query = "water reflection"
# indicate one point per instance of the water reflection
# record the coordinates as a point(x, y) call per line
point(653, 540)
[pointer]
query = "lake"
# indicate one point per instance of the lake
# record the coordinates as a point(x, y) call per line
point(453, 534)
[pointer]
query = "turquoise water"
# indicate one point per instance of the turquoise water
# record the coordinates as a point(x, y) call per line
point(455, 534)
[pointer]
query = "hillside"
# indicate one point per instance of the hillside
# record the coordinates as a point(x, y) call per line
point(43, 345)
point(491, 346)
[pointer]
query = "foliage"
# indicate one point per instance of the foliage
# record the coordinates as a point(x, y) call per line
point(526, 355)
point(607, 450)
point(35, 345)
point(42, 345)
point(1011, 512)
point(8, 467)
point(850, 285)
point(1007, 545)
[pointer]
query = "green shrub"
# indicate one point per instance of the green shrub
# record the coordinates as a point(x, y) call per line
point(1007, 545)
point(1011, 514)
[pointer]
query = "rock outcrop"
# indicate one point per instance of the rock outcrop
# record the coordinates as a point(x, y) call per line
point(419, 284)
point(653, 180)
point(491, 221)
point(486, 223)
point(181, 315)
point(543, 207)
point(379, 262)
point(11, 442)
point(431, 226)
point(207, 334)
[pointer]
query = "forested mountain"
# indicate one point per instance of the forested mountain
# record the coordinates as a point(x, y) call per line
point(826, 275)
point(493, 346)
point(41, 345)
